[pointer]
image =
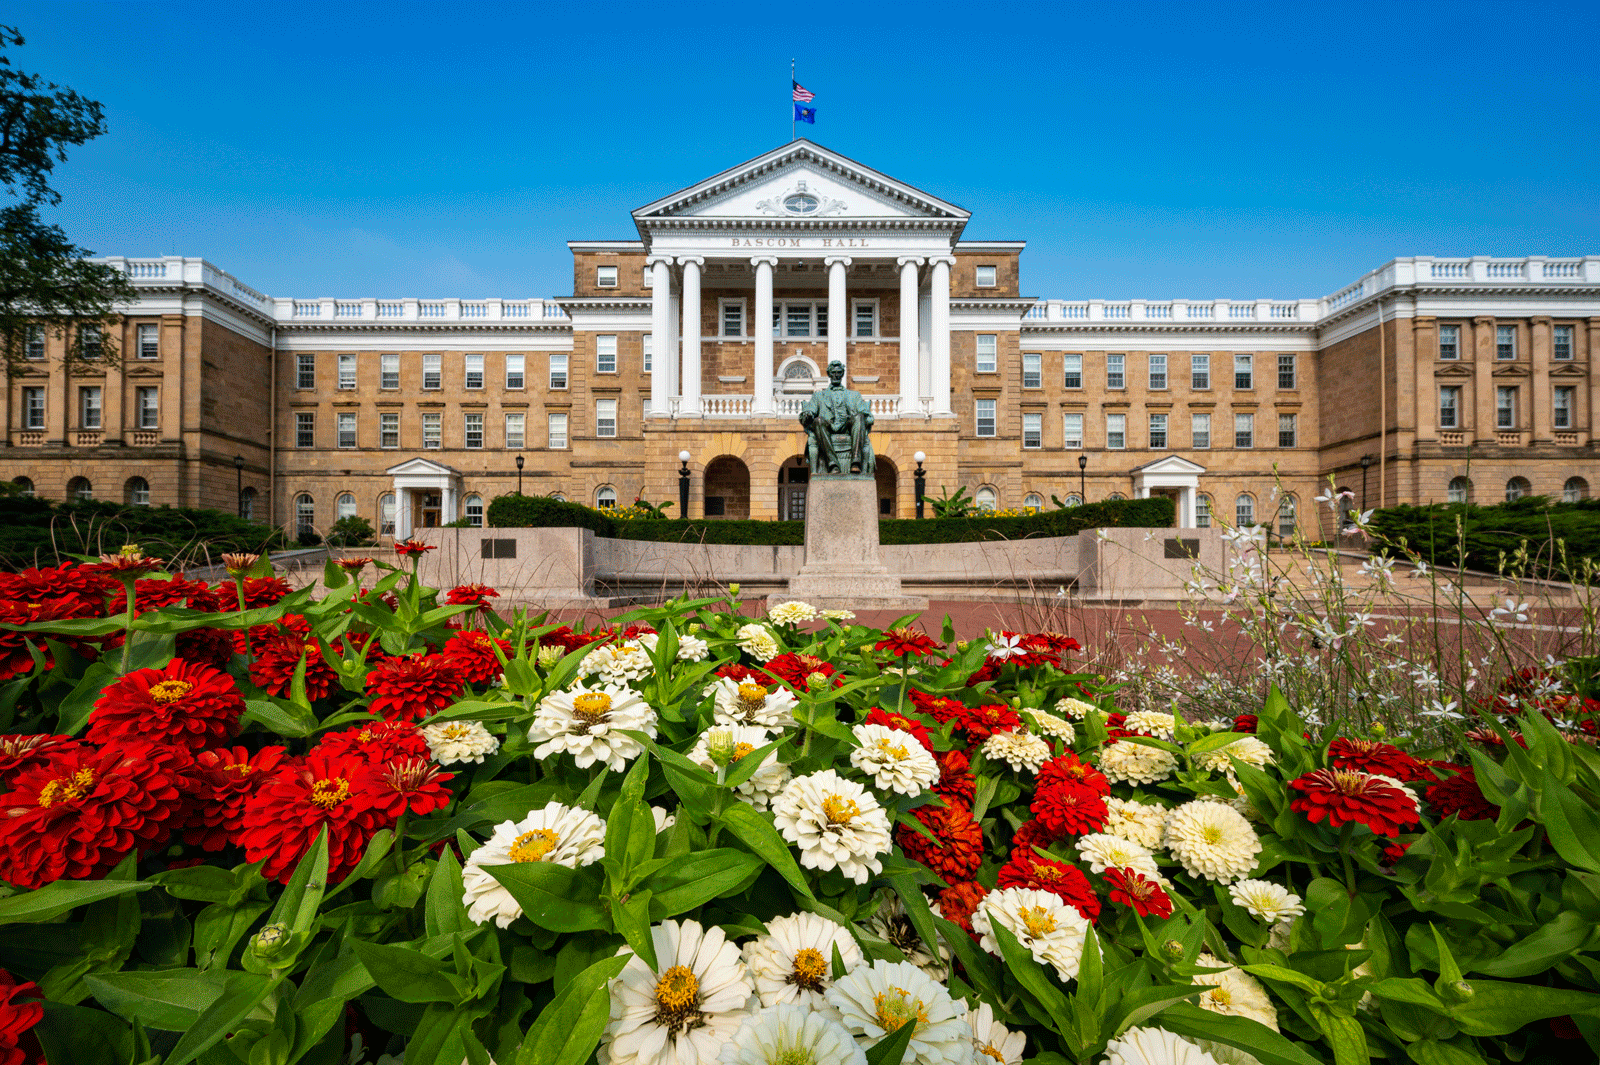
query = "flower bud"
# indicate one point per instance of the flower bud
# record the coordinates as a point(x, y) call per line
point(1172, 949)
point(1456, 991)
point(721, 748)
point(271, 940)
point(816, 680)
point(549, 656)
point(240, 563)
point(733, 589)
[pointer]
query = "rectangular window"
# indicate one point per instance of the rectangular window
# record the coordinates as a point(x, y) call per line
point(33, 408)
point(605, 277)
point(1072, 431)
point(1244, 430)
point(305, 429)
point(1561, 412)
point(347, 373)
point(150, 341)
point(558, 431)
point(605, 354)
point(649, 352)
point(1033, 430)
point(432, 371)
point(1288, 429)
point(605, 417)
point(389, 430)
point(36, 341)
point(986, 277)
point(1243, 372)
point(516, 436)
point(985, 417)
point(1200, 372)
point(1115, 371)
point(1505, 342)
point(515, 365)
point(1561, 343)
point(474, 371)
point(1200, 430)
point(1116, 431)
point(733, 318)
point(866, 322)
point(797, 319)
point(1286, 371)
point(347, 429)
point(988, 348)
point(1158, 372)
point(1449, 342)
point(1158, 430)
point(1450, 407)
point(558, 371)
point(1072, 371)
point(90, 341)
point(432, 431)
point(389, 371)
point(89, 408)
point(1505, 408)
point(474, 430)
point(305, 371)
point(148, 400)
point(1032, 370)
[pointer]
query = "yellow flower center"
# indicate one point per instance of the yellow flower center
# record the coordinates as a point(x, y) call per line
point(893, 1008)
point(1222, 996)
point(1212, 834)
point(678, 1000)
point(991, 1052)
point(896, 751)
point(741, 749)
point(330, 792)
point(588, 710)
point(1038, 922)
point(244, 769)
point(840, 810)
point(752, 697)
point(457, 731)
point(66, 789)
point(810, 969)
point(534, 845)
point(170, 691)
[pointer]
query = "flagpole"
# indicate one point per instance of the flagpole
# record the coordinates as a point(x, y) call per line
point(791, 104)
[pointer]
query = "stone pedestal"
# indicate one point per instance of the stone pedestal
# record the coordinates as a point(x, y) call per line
point(842, 569)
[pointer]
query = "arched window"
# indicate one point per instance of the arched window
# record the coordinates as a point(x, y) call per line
point(1575, 489)
point(985, 498)
point(386, 514)
point(1115, 497)
point(1074, 500)
point(247, 504)
point(1202, 511)
point(344, 507)
point(1286, 516)
point(79, 490)
point(1032, 503)
point(305, 515)
point(136, 492)
point(1516, 488)
point(558, 497)
point(1244, 511)
point(24, 486)
point(1460, 490)
point(606, 497)
point(475, 511)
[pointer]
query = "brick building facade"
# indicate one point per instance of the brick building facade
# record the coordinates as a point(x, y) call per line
point(1452, 378)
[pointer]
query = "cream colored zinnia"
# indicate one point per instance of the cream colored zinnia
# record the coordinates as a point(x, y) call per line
point(1154, 1046)
point(683, 1011)
point(616, 663)
point(992, 1040)
point(1104, 851)
point(1152, 723)
point(557, 834)
point(1236, 994)
point(1212, 840)
point(791, 1035)
point(878, 999)
point(757, 641)
point(1137, 822)
point(1018, 748)
point(1047, 927)
point(792, 613)
point(744, 702)
point(452, 742)
point(1266, 900)
point(1246, 749)
point(893, 759)
point(1126, 762)
point(835, 822)
point(588, 723)
point(1075, 708)
point(793, 962)
point(1050, 725)
point(740, 740)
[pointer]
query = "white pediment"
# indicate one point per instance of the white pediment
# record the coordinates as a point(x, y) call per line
point(420, 467)
point(1172, 464)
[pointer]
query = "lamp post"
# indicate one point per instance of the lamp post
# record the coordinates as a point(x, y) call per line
point(1083, 491)
point(238, 476)
point(1366, 461)
point(520, 461)
point(920, 478)
point(683, 485)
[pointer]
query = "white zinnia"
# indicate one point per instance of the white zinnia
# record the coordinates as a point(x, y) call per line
point(793, 962)
point(1266, 900)
point(662, 819)
point(1151, 723)
point(792, 613)
point(1236, 994)
point(748, 703)
point(993, 1040)
point(560, 835)
point(616, 663)
point(1104, 851)
point(588, 723)
point(892, 925)
point(683, 1011)
point(839, 615)
point(450, 742)
point(757, 641)
point(894, 759)
point(1154, 1046)
point(1126, 762)
point(1042, 923)
point(1212, 840)
point(1051, 725)
point(690, 648)
point(791, 1035)
point(1075, 708)
point(836, 823)
point(1246, 749)
point(1138, 822)
point(1017, 748)
point(759, 788)
point(878, 999)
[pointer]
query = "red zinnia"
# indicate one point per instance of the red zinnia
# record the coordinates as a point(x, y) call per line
point(1029, 869)
point(956, 850)
point(82, 811)
point(1245, 723)
point(1066, 770)
point(979, 723)
point(894, 719)
point(906, 641)
point(19, 752)
point(1057, 642)
point(224, 780)
point(258, 592)
point(182, 703)
point(1033, 833)
point(472, 655)
point(958, 902)
point(76, 591)
point(1069, 810)
point(941, 708)
point(1393, 852)
point(956, 782)
point(477, 595)
point(378, 742)
point(565, 638)
point(278, 657)
point(410, 548)
point(1370, 756)
point(410, 783)
point(213, 647)
point(283, 817)
point(1461, 795)
point(1349, 795)
point(154, 593)
point(1140, 894)
point(20, 1010)
point(742, 674)
point(796, 670)
point(15, 658)
point(413, 687)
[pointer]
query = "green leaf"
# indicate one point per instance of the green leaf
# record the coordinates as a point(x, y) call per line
point(1539, 950)
point(554, 896)
point(1433, 1052)
point(62, 896)
point(917, 909)
point(1033, 978)
point(377, 849)
point(83, 1036)
point(291, 720)
point(891, 1049)
point(170, 1000)
point(406, 974)
point(568, 1030)
point(1500, 1008)
point(632, 919)
point(444, 912)
point(297, 906)
point(698, 878)
point(245, 992)
point(1571, 823)
point(1190, 1021)
point(759, 835)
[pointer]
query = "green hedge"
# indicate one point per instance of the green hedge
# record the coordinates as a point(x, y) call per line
point(1137, 513)
point(1485, 532)
point(38, 532)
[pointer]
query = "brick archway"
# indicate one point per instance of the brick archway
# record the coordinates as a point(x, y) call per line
point(727, 488)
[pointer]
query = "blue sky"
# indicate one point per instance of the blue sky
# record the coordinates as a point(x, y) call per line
point(1162, 151)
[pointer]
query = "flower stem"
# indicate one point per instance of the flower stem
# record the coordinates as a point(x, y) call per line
point(1345, 835)
point(127, 633)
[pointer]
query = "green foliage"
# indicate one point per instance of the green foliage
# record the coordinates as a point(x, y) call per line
point(715, 531)
point(1482, 538)
point(946, 505)
point(543, 512)
point(354, 531)
point(36, 531)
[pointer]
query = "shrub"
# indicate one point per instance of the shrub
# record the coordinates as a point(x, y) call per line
point(718, 531)
point(1452, 534)
point(542, 512)
point(354, 531)
point(37, 531)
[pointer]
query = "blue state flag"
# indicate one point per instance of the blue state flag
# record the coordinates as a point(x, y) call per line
point(805, 114)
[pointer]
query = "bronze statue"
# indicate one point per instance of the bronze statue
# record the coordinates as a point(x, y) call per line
point(836, 420)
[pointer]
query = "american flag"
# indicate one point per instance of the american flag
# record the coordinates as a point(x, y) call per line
point(802, 95)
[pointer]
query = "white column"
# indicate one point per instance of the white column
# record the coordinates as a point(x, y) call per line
point(447, 509)
point(402, 513)
point(761, 327)
point(838, 309)
point(689, 406)
point(910, 369)
point(1186, 508)
point(661, 332)
point(939, 342)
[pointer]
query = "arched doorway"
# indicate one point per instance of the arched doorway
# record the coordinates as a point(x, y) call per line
point(727, 481)
point(888, 483)
point(793, 477)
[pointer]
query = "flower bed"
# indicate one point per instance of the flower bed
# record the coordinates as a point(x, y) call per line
point(248, 825)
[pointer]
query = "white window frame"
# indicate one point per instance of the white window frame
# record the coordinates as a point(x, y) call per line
point(816, 319)
point(871, 307)
point(472, 430)
point(1116, 432)
point(978, 276)
point(516, 430)
point(386, 505)
point(472, 372)
point(35, 343)
point(1032, 431)
point(1244, 511)
point(606, 276)
point(1032, 369)
point(91, 341)
point(432, 431)
point(389, 372)
point(1288, 369)
point(472, 510)
point(560, 376)
point(516, 372)
point(1505, 343)
point(432, 372)
point(147, 407)
point(983, 415)
point(605, 418)
point(1200, 373)
point(33, 409)
point(1158, 372)
point(345, 429)
point(986, 498)
point(1116, 372)
point(1072, 370)
point(91, 407)
point(556, 431)
point(1200, 431)
point(344, 506)
point(1561, 407)
point(649, 357)
point(149, 340)
point(347, 373)
point(305, 428)
point(1158, 428)
point(737, 306)
point(305, 372)
point(1244, 430)
point(1287, 507)
point(139, 492)
point(388, 430)
point(1449, 406)
point(1202, 511)
point(1505, 408)
point(605, 353)
point(605, 497)
point(1244, 369)
point(1072, 432)
point(1459, 490)
point(1288, 430)
point(1449, 343)
point(1033, 502)
point(986, 353)
point(1558, 344)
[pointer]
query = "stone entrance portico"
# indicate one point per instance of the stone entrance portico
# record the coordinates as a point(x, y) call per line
point(414, 481)
point(1171, 476)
